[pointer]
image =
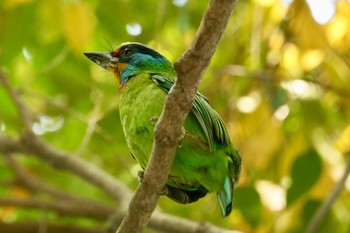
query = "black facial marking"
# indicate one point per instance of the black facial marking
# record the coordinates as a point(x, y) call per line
point(129, 49)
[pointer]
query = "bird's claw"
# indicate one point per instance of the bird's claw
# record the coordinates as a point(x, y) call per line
point(164, 191)
point(153, 121)
point(140, 175)
point(183, 134)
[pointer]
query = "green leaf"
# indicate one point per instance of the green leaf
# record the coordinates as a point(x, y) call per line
point(247, 200)
point(328, 224)
point(306, 170)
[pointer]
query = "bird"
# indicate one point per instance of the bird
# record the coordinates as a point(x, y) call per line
point(206, 160)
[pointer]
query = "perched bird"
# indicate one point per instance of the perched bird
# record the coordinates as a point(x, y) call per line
point(206, 161)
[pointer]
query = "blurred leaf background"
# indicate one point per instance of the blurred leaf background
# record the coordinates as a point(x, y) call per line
point(280, 79)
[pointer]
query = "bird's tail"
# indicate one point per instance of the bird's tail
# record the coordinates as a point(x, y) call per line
point(184, 196)
point(225, 197)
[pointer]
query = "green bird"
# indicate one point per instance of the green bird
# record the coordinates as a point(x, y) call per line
point(205, 161)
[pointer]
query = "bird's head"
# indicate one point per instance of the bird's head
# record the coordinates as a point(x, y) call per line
point(132, 59)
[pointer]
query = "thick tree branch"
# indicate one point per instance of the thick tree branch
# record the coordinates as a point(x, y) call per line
point(168, 131)
point(159, 221)
point(34, 227)
point(173, 224)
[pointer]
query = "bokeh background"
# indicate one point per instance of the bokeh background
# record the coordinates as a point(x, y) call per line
point(280, 79)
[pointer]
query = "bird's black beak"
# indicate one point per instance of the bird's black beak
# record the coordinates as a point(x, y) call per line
point(102, 59)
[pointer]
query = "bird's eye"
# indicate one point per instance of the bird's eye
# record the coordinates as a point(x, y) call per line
point(127, 52)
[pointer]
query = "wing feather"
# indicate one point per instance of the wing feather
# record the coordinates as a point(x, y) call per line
point(210, 121)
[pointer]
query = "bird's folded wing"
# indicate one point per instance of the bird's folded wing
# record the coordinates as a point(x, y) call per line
point(210, 121)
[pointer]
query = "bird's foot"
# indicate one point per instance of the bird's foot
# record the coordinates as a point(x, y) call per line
point(183, 134)
point(140, 178)
point(140, 175)
point(153, 121)
point(164, 191)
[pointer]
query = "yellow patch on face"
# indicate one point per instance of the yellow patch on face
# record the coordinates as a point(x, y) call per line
point(117, 78)
point(117, 70)
point(121, 66)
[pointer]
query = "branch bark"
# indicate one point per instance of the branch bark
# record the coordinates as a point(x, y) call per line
point(23, 112)
point(168, 132)
point(32, 145)
point(62, 207)
point(34, 227)
point(95, 176)
point(26, 179)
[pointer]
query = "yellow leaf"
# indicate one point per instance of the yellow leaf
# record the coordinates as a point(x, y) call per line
point(307, 33)
point(13, 3)
point(311, 58)
point(337, 30)
point(291, 60)
point(343, 141)
point(265, 3)
point(257, 129)
point(78, 24)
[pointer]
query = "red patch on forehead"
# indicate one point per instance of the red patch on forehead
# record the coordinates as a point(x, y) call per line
point(116, 52)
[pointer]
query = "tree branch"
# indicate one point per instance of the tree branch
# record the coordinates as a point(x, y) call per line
point(22, 109)
point(34, 227)
point(95, 116)
point(90, 173)
point(327, 203)
point(173, 224)
point(168, 131)
point(29, 181)
point(32, 145)
point(67, 208)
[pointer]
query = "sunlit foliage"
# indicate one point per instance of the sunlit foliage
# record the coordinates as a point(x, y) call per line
point(280, 79)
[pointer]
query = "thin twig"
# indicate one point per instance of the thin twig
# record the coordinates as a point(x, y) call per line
point(67, 208)
point(327, 203)
point(20, 105)
point(61, 56)
point(73, 112)
point(33, 227)
point(35, 185)
point(95, 116)
point(98, 178)
point(341, 91)
point(26, 179)
point(31, 145)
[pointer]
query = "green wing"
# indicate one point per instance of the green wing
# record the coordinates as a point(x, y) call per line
point(217, 136)
point(210, 121)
